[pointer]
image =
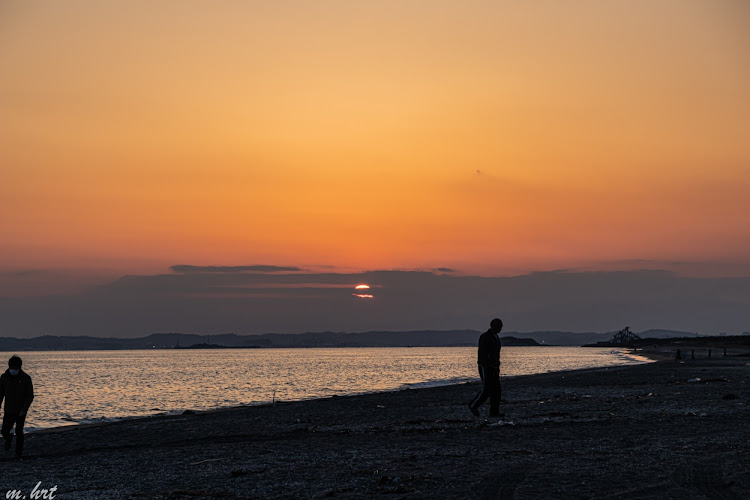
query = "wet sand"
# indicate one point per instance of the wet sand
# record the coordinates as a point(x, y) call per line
point(646, 431)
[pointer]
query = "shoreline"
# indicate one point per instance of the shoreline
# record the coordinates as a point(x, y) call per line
point(653, 357)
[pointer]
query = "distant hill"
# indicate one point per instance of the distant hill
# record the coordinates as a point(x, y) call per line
point(514, 341)
point(425, 338)
point(268, 340)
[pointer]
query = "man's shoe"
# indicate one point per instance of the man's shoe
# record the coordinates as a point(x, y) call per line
point(497, 414)
point(473, 410)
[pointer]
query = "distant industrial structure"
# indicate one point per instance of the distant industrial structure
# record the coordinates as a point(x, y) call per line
point(625, 337)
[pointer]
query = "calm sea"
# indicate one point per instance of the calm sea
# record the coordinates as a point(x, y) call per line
point(74, 387)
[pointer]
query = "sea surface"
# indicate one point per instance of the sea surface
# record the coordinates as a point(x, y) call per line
point(74, 387)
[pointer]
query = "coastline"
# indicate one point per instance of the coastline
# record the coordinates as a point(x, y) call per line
point(64, 400)
point(412, 387)
point(656, 429)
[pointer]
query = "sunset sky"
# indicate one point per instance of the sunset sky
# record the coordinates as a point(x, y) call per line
point(490, 137)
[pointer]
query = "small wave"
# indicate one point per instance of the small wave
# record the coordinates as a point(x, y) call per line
point(631, 356)
point(101, 420)
point(437, 383)
point(32, 428)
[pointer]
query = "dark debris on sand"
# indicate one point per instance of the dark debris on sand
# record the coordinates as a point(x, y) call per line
point(660, 430)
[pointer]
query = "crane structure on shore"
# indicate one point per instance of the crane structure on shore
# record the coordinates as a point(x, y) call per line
point(625, 337)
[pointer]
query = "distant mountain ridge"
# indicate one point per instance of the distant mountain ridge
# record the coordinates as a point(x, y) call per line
point(421, 338)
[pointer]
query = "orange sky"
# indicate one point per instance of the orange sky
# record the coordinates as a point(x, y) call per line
point(490, 137)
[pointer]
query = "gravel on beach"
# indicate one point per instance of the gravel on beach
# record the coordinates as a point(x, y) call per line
point(657, 430)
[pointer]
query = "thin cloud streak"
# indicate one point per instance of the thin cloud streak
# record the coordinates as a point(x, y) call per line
point(234, 269)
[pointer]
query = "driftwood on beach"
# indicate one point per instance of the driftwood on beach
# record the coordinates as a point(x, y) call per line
point(666, 430)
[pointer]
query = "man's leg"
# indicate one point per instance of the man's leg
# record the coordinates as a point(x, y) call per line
point(495, 393)
point(20, 420)
point(7, 426)
point(483, 394)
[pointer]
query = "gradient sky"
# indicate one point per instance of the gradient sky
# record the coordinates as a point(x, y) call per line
point(489, 137)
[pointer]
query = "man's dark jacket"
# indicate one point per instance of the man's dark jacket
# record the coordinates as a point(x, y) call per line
point(488, 354)
point(17, 391)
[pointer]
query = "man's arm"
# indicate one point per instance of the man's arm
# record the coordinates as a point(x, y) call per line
point(2, 390)
point(483, 351)
point(29, 398)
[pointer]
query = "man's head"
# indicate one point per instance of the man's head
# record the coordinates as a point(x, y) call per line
point(14, 363)
point(496, 325)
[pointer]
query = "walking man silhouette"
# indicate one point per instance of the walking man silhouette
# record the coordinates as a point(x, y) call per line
point(18, 392)
point(488, 360)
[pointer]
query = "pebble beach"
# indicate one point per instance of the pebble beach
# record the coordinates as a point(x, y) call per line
point(658, 430)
